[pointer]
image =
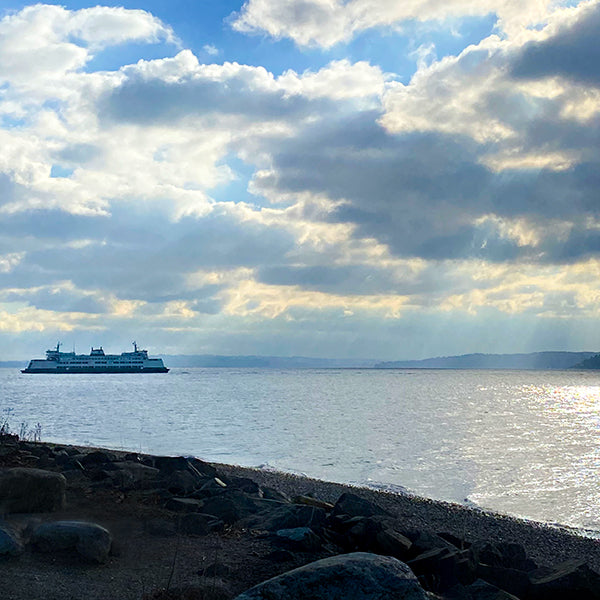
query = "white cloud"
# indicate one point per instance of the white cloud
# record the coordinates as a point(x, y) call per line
point(368, 199)
point(40, 43)
point(338, 80)
point(473, 94)
point(211, 50)
point(328, 22)
point(102, 26)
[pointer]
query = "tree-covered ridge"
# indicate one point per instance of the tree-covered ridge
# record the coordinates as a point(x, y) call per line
point(593, 362)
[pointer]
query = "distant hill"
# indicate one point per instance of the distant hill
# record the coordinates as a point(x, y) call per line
point(534, 360)
point(13, 364)
point(259, 362)
point(593, 362)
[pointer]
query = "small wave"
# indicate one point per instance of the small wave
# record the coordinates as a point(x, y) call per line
point(472, 504)
point(266, 467)
point(271, 469)
point(391, 488)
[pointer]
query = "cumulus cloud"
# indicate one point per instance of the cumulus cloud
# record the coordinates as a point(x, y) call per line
point(169, 90)
point(570, 50)
point(328, 22)
point(41, 41)
point(370, 204)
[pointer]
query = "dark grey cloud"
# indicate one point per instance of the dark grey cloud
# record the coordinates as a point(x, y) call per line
point(424, 194)
point(581, 243)
point(135, 254)
point(363, 279)
point(61, 300)
point(52, 225)
point(573, 53)
point(346, 279)
point(141, 100)
point(220, 241)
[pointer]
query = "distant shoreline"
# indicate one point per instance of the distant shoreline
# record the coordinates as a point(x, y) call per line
point(550, 360)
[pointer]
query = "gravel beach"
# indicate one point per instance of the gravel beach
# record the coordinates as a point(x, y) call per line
point(546, 544)
point(150, 554)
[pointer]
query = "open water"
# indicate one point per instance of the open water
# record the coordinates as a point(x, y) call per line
point(525, 443)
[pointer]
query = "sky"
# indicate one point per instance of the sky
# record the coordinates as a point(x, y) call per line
point(325, 178)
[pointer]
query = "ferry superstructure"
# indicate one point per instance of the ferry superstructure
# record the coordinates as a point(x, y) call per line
point(96, 362)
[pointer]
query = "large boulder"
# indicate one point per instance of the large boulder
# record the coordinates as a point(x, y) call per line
point(441, 569)
point(393, 543)
point(302, 539)
point(98, 458)
point(482, 590)
point(199, 524)
point(169, 464)
point(356, 576)
point(571, 579)
point(89, 540)
point(285, 516)
point(134, 475)
point(355, 506)
point(232, 505)
point(511, 580)
point(25, 490)
point(501, 554)
point(10, 545)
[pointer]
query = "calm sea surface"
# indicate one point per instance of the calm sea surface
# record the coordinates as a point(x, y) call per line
point(525, 443)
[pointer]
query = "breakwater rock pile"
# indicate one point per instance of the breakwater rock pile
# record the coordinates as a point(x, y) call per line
point(94, 524)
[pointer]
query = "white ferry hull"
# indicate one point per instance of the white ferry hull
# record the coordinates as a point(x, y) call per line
point(75, 370)
point(97, 361)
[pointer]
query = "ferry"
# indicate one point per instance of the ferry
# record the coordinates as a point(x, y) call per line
point(96, 362)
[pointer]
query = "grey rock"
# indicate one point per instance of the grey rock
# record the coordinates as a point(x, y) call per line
point(61, 457)
point(269, 493)
point(134, 475)
point(302, 539)
point(232, 505)
point(184, 504)
point(182, 482)
point(424, 541)
point(310, 501)
point(356, 576)
point(97, 458)
point(393, 543)
point(571, 579)
point(169, 464)
point(510, 580)
point(25, 490)
point(10, 545)
point(204, 469)
point(198, 524)
point(355, 506)
point(244, 484)
point(362, 535)
point(285, 516)
point(482, 590)
point(502, 554)
point(211, 487)
point(91, 541)
point(440, 569)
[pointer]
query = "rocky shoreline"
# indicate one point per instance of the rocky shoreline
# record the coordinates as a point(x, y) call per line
point(91, 523)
